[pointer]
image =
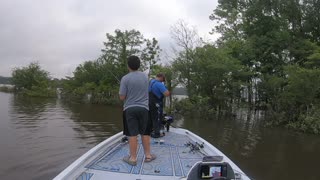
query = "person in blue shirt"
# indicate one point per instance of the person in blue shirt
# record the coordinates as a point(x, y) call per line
point(157, 91)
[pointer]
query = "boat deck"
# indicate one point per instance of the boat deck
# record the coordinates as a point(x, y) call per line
point(174, 158)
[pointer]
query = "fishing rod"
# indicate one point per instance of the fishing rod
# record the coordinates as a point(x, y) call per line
point(111, 72)
point(114, 76)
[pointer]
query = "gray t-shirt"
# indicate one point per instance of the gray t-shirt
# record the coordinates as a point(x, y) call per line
point(134, 86)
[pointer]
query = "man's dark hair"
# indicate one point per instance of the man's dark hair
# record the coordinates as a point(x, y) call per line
point(133, 62)
point(161, 75)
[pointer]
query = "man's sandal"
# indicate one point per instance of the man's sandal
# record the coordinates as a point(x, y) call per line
point(127, 160)
point(149, 159)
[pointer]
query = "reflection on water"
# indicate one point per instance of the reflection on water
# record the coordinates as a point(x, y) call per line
point(240, 131)
point(99, 120)
point(40, 137)
point(263, 153)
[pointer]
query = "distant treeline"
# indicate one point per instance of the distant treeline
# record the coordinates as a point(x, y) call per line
point(5, 80)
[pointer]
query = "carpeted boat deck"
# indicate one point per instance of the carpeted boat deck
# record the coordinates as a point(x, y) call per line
point(176, 154)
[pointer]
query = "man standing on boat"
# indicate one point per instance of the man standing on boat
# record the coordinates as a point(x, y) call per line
point(134, 93)
point(157, 91)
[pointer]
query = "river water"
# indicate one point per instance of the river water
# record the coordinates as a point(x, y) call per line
point(40, 137)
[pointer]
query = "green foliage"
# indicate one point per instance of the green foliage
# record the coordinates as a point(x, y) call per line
point(278, 44)
point(150, 54)
point(309, 123)
point(31, 75)
point(183, 66)
point(303, 85)
point(184, 106)
point(101, 77)
point(187, 39)
point(32, 81)
point(196, 107)
point(213, 73)
point(314, 57)
point(120, 46)
point(36, 91)
point(6, 89)
point(268, 55)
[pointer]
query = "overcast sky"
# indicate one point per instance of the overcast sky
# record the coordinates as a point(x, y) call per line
point(61, 34)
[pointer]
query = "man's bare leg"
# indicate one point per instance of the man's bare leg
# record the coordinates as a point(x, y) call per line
point(146, 145)
point(133, 144)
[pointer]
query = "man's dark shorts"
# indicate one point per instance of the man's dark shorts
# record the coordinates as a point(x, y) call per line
point(136, 121)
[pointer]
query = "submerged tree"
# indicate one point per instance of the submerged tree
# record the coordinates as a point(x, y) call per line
point(278, 42)
point(32, 80)
point(31, 75)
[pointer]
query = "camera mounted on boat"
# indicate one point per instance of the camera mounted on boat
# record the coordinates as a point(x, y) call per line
point(211, 167)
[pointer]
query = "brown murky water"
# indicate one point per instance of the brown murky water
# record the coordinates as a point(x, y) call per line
point(40, 137)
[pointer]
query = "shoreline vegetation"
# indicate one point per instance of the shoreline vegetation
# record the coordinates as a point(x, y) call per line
point(6, 89)
point(267, 58)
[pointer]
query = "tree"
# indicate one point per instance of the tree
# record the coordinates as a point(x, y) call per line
point(150, 55)
point(311, 20)
point(29, 76)
point(101, 77)
point(125, 43)
point(187, 39)
point(119, 46)
point(278, 43)
point(33, 81)
point(214, 72)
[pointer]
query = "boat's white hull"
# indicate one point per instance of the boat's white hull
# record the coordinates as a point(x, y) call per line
point(101, 162)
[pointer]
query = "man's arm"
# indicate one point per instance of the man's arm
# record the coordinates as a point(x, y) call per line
point(122, 97)
point(164, 90)
point(166, 93)
point(122, 90)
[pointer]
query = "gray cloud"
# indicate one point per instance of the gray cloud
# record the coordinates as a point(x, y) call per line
point(62, 34)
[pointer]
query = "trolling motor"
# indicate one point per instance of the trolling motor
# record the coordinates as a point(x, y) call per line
point(166, 121)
